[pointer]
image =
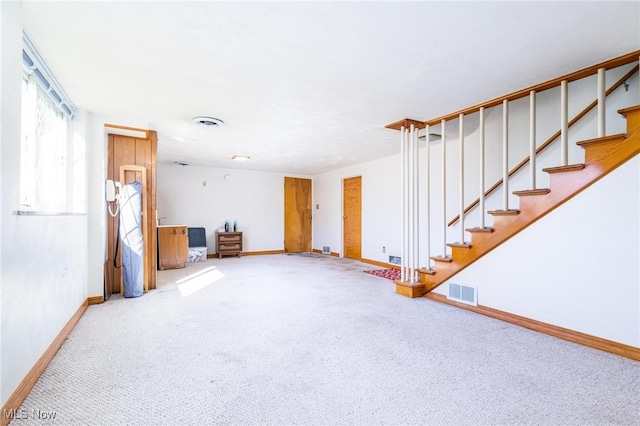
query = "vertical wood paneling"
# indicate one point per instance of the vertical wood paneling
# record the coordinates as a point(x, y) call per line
point(152, 197)
point(124, 150)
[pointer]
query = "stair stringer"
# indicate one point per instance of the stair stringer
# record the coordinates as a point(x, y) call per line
point(601, 157)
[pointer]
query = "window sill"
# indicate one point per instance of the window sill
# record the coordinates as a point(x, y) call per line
point(45, 213)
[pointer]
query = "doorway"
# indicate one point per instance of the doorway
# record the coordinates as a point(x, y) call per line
point(297, 215)
point(352, 217)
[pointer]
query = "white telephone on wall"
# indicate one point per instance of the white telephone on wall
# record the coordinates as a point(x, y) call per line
point(112, 193)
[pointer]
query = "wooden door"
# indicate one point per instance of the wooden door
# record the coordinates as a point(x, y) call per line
point(297, 215)
point(127, 150)
point(352, 218)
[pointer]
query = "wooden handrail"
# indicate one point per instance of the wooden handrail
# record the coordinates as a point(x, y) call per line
point(585, 72)
point(548, 142)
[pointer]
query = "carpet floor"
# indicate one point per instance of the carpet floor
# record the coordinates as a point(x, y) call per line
point(311, 340)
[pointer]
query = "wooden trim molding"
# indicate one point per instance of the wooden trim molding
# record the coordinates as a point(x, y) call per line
point(259, 253)
point(616, 348)
point(333, 253)
point(128, 131)
point(95, 300)
point(23, 389)
point(380, 264)
point(410, 290)
point(249, 253)
point(406, 123)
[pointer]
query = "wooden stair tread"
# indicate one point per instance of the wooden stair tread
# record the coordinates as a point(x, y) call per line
point(526, 192)
point(562, 169)
point(479, 229)
point(460, 245)
point(629, 110)
point(510, 212)
point(442, 259)
point(427, 271)
point(605, 139)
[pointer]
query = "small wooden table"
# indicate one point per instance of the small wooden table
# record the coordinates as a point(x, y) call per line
point(228, 244)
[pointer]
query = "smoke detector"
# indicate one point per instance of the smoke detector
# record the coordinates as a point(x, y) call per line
point(208, 121)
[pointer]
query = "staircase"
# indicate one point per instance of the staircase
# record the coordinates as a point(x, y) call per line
point(602, 155)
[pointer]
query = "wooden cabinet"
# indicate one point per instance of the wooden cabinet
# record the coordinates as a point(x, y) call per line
point(173, 246)
point(228, 243)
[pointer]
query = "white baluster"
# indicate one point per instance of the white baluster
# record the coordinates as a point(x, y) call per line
point(428, 200)
point(564, 123)
point(410, 206)
point(602, 88)
point(481, 178)
point(402, 203)
point(505, 155)
point(444, 188)
point(532, 138)
point(406, 206)
point(416, 207)
point(461, 133)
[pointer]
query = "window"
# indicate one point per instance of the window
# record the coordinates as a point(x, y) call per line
point(52, 161)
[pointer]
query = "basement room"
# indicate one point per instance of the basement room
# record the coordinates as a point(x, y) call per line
point(319, 212)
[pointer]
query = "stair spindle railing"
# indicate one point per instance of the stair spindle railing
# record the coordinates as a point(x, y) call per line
point(539, 149)
point(444, 187)
point(564, 123)
point(409, 166)
point(428, 200)
point(410, 209)
point(411, 212)
point(461, 139)
point(481, 159)
point(602, 89)
point(532, 139)
point(410, 244)
point(403, 271)
point(505, 155)
point(416, 207)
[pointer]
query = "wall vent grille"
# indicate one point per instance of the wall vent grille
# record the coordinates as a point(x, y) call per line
point(395, 260)
point(463, 294)
point(326, 250)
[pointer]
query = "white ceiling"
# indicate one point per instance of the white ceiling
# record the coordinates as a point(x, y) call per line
point(307, 87)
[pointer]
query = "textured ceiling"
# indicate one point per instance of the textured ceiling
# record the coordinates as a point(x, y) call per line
point(307, 87)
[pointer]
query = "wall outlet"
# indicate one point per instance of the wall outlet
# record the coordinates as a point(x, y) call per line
point(384, 249)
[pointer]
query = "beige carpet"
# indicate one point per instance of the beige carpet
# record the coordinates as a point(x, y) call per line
point(311, 339)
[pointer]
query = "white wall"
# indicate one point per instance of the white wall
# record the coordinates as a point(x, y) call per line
point(380, 212)
point(575, 268)
point(44, 273)
point(202, 197)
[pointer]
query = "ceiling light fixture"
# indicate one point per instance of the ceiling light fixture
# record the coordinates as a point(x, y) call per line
point(208, 121)
point(240, 157)
point(184, 163)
